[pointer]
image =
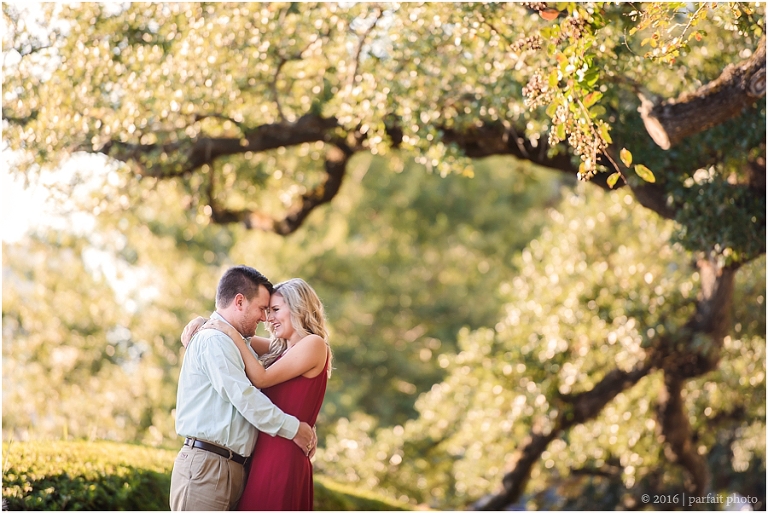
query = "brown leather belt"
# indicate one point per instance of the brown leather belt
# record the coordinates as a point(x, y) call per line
point(216, 449)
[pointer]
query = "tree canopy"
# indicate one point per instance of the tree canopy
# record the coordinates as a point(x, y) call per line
point(254, 113)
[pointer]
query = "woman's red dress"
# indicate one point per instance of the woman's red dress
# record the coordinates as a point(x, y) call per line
point(280, 476)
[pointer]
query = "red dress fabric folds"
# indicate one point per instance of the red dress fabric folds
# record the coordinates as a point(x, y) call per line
point(280, 476)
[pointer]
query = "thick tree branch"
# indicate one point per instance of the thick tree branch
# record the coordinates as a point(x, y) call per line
point(692, 352)
point(490, 139)
point(671, 121)
point(482, 140)
point(587, 405)
point(679, 361)
point(335, 167)
point(579, 408)
point(205, 150)
point(653, 197)
point(713, 308)
point(514, 482)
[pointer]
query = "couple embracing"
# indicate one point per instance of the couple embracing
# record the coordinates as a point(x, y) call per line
point(220, 407)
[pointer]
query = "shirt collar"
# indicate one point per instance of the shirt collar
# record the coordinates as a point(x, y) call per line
point(217, 315)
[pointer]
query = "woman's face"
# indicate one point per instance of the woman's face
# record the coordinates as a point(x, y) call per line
point(280, 317)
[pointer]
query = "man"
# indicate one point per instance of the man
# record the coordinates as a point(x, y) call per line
point(218, 411)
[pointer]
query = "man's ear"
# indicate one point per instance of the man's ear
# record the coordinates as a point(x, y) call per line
point(239, 301)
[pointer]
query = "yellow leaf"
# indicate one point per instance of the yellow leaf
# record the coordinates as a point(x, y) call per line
point(626, 157)
point(605, 132)
point(613, 179)
point(645, 173)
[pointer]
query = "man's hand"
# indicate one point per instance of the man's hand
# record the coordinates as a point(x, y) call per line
point(306, 439)
point(314, 448)
point(190, 329)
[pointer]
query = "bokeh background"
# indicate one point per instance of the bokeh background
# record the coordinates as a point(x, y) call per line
point(502, 330)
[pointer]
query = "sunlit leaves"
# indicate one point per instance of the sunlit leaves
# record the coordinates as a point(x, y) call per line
point(734, 215)
point(645, 173)
point(163, 73)
point(626, 157)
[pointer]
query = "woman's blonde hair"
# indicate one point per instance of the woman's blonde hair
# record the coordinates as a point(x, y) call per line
point(307, 318)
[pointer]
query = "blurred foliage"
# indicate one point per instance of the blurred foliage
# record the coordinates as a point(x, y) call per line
point(452, 341)
point(103, 476)
point(65, 338)
point(99, 316)
point(404, 260)
point(89, 311)
point(591, 290)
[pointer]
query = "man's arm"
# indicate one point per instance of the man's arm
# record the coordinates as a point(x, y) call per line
point(226, 370)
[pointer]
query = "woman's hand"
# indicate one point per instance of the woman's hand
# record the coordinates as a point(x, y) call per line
point(190, 329)
point(227, 330)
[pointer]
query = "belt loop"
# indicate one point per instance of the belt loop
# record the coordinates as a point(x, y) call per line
point(231, 454)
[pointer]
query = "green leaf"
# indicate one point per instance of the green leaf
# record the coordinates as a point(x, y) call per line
point(645, 173)
point(591, 76)
point(561, 131)
point(592, 98)
point(552, 108)
point(613, 179)
point(626, 157)
point(553, 78)
point(597, 111)
point(605, 131)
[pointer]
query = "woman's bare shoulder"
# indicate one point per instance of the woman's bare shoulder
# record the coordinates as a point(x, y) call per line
point(312, 341)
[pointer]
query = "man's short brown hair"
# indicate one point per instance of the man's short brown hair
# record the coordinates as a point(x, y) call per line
point(240, 279)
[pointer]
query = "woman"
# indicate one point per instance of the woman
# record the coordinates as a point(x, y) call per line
point(295, 371)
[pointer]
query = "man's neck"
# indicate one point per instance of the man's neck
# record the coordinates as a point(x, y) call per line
point(227, 317)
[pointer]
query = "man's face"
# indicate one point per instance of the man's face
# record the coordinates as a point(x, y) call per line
point(254, 312)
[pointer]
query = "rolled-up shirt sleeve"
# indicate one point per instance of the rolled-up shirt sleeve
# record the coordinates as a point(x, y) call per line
point(226, 370)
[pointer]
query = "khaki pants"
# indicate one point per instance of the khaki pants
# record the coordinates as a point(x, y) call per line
point(204, 481)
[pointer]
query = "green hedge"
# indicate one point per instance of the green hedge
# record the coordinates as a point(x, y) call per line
point(85, 476)
point(107, 476)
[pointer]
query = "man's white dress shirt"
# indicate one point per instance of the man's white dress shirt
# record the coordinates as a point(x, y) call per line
point(217, 403)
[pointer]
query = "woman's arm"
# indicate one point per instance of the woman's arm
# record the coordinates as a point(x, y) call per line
point(304, 357)
point(260, 345)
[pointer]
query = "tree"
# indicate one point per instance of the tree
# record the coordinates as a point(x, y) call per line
point(258, 109)
point(579, 316)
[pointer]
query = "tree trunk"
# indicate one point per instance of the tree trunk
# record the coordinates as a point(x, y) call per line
point(681, 356)
point(678, 435)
